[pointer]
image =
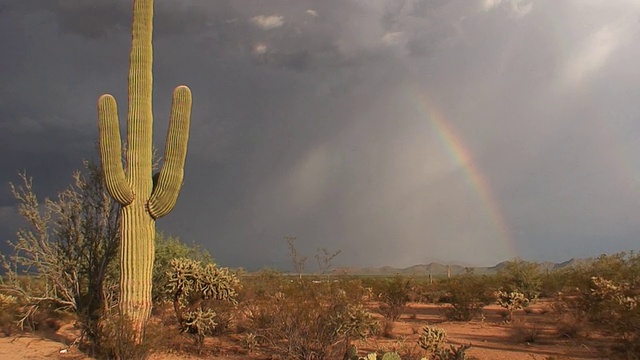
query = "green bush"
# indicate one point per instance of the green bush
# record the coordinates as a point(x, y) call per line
point(521, 276)
point(555, 282)
point(467, 295)
point(426, 291)
point(394, 296)
point(608, 296)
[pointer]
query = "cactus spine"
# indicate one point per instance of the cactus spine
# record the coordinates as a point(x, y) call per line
point(143, 199)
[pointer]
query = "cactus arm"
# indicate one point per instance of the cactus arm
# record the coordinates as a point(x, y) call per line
point(165, 193)
point(111, 151)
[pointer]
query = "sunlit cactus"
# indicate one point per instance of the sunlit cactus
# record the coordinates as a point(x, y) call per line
point(391, 356)
point(512, 300)
point(144, 198)
point(191, 285)
point(433, 339)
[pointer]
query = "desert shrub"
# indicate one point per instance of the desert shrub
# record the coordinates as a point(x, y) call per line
point(394, 296)
point(521, 276)
point(569, 326)
point(554, 282)
point(225, 316)
point(425, 290)
point(118, 339)
point(529, 311)
point(615, 306)
point(306, 320)
point(608, 296)
point(9, 311)
point(603, 286)
point(259, 285)
point(192, 287)
point(386, 328)
point(526, 332)
point(467, 295)
point(512, 300)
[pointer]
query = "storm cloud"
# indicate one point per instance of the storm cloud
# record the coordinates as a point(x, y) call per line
point(400, 132)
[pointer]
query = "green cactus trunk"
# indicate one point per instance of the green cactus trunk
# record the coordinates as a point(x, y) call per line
point(142, 198)
point(136, 264)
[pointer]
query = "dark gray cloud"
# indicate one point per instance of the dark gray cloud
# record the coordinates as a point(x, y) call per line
point(316, 119)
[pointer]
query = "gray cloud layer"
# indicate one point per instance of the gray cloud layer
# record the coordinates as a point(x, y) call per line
point(310, 120)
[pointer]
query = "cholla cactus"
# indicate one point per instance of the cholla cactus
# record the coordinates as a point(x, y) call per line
point(386, 356)
point(353, 322)
point(190, 284)
point(391, 356)
point(199, 323)
point(433, 339)
point(603, 289)
point(512, 300)
point(371, 356)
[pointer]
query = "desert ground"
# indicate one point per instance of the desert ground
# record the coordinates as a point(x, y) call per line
point(490, 338)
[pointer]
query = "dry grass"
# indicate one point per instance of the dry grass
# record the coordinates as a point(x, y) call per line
point(387, 329)
point(569, 327)
point(526, 332)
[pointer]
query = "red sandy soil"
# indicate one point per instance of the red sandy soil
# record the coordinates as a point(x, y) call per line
point(490, 338)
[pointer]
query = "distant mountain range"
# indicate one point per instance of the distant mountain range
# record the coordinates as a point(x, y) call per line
point(437, 269)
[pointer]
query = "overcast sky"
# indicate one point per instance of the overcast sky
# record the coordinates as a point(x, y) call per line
point(400, 132)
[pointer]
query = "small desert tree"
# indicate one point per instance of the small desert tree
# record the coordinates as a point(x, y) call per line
point(297, 259)
point(324, 259)
point(65, 254)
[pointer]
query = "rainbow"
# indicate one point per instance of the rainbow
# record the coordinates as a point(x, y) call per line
point(463, 158)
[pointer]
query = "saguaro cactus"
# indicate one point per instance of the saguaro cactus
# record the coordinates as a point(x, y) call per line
point(144, 197)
